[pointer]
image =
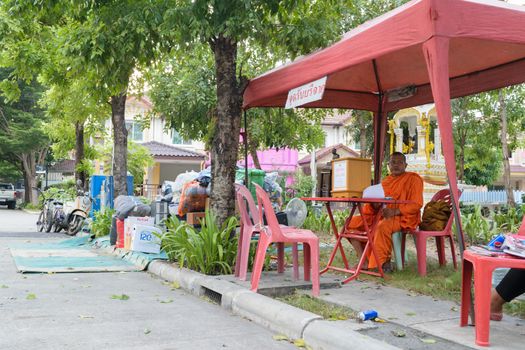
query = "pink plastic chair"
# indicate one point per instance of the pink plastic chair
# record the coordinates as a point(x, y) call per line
point(273, 233)
point(482, 267)
point(251, 226)
point(422, 236)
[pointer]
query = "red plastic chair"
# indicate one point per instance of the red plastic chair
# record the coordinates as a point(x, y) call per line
point(482, 266)
point(273, 233)
point(422, 236)
point(251, 226)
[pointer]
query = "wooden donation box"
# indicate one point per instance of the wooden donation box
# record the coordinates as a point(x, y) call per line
point(350, 176)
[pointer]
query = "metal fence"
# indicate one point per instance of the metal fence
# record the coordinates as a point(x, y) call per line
point(489, 197)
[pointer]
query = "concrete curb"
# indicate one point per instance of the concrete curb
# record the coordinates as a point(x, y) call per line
point(323, 335)
point(272, 314)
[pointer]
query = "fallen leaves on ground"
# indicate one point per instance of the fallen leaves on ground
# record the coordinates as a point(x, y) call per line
point(4, 286)
point(300, 343)
point(31, 296)
point(120, 297)
point(175, 285)
point(399, 333)
point(428, 340)
point(147, 331)
point(166, 301)
point(280, 337)
point(85, 316)
point(410, 314)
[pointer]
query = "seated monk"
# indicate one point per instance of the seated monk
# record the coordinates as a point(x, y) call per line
point(400, 185)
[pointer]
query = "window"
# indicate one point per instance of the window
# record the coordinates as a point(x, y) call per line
point(176, 139)
point(134, 131)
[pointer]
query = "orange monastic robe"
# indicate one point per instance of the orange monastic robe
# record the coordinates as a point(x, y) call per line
point(407, 186)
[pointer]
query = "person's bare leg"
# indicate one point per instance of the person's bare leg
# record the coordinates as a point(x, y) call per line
point(496, 306)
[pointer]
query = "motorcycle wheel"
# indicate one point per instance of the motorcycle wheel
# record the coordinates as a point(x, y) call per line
point(75, 225)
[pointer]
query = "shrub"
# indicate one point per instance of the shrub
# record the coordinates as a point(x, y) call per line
point(211, 251)
point(101, 225)
point(321, 223)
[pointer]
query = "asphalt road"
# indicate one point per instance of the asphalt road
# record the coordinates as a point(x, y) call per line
point(78, 311)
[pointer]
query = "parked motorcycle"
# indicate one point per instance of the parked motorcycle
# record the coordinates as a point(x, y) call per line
point(71, 215)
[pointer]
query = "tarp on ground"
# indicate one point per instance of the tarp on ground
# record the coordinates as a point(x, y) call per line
point(77, 254)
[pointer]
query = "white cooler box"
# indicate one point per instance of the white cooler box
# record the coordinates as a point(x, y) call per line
point(144, 239)
point(128, 227)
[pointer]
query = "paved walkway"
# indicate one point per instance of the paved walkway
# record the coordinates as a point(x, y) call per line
point(419, 317)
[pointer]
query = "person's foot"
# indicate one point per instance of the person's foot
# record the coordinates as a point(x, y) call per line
point(387, 267)
point(496, 306)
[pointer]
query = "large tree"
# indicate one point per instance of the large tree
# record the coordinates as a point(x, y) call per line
point(229, 26)
point(23, 142)
point(183, 92)
point(102, 43)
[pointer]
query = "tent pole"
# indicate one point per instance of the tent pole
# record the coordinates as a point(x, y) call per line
point(245, 141)
point(436, 52)
point(379, 124)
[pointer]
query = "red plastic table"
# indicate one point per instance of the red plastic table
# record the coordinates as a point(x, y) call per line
point(363, 236)
point(482, 266)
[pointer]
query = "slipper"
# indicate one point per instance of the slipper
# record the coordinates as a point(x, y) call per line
point(496, 316)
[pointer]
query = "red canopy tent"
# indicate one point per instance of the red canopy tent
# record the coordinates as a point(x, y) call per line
point(423, 51)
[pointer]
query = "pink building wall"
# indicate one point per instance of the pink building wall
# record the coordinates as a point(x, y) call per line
point(283, 160)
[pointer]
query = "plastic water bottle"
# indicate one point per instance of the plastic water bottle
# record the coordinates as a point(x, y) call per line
point(367, 315)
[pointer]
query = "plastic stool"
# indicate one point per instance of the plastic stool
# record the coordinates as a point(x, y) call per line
point(396, 244)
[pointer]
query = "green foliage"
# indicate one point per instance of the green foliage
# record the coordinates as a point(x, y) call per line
point(508, 219)
point(139, 159)
point(211, 251)
point(317, 223)
point(475, 226)
point(61, 193)
point(327, 310)
point(321, 223)
point(101, 224)
point(303, 184)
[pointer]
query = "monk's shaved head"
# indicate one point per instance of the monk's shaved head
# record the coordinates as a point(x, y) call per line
point(397, 163)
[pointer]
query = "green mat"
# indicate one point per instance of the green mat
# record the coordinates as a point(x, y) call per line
point(78, 254)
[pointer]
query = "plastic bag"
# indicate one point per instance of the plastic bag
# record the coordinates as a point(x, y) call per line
point(192, 199)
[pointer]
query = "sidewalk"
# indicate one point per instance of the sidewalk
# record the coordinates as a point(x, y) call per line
point(426, 323)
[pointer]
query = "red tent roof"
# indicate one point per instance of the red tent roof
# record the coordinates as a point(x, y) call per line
point(423, 51)
point(486, 51)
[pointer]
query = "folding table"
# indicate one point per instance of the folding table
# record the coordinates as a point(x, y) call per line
point(362, 236)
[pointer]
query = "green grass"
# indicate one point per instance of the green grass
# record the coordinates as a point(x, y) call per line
point(327, 310)
point(440, 282)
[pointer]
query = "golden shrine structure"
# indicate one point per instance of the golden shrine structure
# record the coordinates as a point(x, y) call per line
point(414, 132)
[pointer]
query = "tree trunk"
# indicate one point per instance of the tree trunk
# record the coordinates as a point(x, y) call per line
point(79, 153)
point(120, 144)
point(252, 148)
point(29, 170)
point(505, 149)
point(362, 133)
point(225, 142)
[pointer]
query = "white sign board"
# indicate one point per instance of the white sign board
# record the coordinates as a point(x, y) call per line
point(305, 94)
point(339, 176)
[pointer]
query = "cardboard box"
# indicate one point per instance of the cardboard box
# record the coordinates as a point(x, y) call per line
point(144, 239)
point(128, 227)
point(194, 218)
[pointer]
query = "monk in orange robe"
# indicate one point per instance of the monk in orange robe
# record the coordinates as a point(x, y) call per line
point(400, 185)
